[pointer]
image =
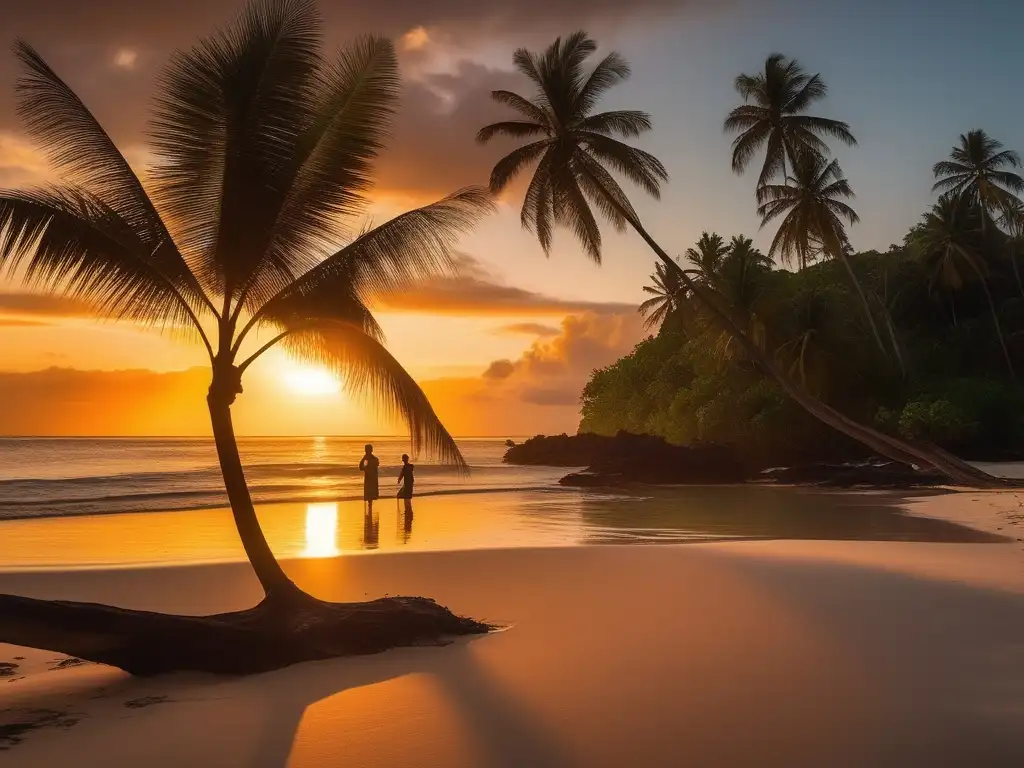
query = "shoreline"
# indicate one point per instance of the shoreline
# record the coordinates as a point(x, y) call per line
point(867, 653)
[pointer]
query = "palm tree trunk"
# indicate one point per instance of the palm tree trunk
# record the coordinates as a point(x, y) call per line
point(895, 342)
point(995, 319)
point(1016, 272)
point(275, 582)
point(897, 450)
point(864, 303)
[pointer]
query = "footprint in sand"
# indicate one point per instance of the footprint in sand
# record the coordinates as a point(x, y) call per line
point(15, 724)
point(147, 701)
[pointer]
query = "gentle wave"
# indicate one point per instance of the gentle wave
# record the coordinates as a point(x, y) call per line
point(48, 477)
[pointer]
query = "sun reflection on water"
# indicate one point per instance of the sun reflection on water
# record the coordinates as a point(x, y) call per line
point(321, 530)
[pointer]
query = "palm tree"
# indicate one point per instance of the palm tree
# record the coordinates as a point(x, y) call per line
point(572, 146)
point(978, 167)
point(707, 256)
point(776, 121)
point(740, 286)
point(667, 294)
point(812, 202)
point(264, 154)
point(741, 249)
point(949, 240)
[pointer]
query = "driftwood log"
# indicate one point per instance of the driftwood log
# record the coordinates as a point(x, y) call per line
point(274, 634)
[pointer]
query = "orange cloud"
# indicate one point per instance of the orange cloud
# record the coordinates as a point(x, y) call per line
point(540, 391)
point(475, 291)
point(529, 329)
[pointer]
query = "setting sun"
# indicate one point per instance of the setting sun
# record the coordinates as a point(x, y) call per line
point(305, 380)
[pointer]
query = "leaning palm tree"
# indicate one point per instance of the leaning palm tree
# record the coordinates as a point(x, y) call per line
point(706, 257)
point(814, 211)
point(264, 154)
point(571, 145)
point(667, 294)
point(979, 168)
point(949, 241)
point(772, 116)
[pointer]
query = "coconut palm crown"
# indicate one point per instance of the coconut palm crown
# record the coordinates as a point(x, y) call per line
point(773, 116)
point(979, 168)
point(571, 144)
point(263, 155)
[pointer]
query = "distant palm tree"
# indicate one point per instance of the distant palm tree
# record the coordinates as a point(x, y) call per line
point(776, 120)
point(742, 250)
point(707, 256)
point(949, 242)
point(977, 167)
point(667, 294)
point(812, 202)
point(740, 283)
point(263, 152)
point(571, 149)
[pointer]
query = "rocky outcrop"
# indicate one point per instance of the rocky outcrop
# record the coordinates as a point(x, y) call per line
point(628, 459)
point(874, 473)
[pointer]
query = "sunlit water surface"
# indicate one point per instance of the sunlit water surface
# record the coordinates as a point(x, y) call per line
point(528, 518)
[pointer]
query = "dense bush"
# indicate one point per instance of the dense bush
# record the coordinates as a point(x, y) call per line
point(687, 384)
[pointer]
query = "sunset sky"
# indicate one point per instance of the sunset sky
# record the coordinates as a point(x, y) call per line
point(504, 348)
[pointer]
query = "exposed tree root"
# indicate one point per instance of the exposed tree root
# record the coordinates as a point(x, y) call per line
point(276, 633)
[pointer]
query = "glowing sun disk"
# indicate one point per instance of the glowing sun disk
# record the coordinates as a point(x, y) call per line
point(311, 381)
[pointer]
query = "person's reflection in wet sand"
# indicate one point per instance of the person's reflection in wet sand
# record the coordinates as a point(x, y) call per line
point(371, 529)
point(405, 520)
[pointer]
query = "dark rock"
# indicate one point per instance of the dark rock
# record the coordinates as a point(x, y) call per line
point(558, 450)
point(628, 459)
point(874, 473)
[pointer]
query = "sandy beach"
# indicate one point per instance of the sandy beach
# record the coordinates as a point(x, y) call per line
point(788, 653)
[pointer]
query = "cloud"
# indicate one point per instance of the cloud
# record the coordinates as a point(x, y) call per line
point(499, 369)
point(125, 58)
point(445, 97)
point(475, 291)
point(43, 305)
point(540, 391)
point(529, 329)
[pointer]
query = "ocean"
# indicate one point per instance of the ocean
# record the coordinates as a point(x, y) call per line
point(46, 477)
point(58, 496)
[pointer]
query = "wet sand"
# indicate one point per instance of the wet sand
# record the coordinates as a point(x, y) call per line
point(767, 653)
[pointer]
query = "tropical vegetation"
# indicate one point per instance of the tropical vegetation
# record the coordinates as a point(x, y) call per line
point(574, 151)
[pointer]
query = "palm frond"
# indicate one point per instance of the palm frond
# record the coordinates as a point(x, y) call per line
point(510, 166)
point(610, 71)
point(623, 122)
point(71, 242)
point(642, 168)
point(331, 167)
point(412, 246)
point(230, 114)
point(367, 369)
point(516, 129)
point(572, 210)
point(529, 110)
point(76, 145)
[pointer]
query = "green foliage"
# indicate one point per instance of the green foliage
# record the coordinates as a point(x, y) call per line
point(937, 421)
point(688, 383)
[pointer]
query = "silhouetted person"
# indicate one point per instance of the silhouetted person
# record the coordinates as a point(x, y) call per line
point(406, 478)
point(369, 465)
